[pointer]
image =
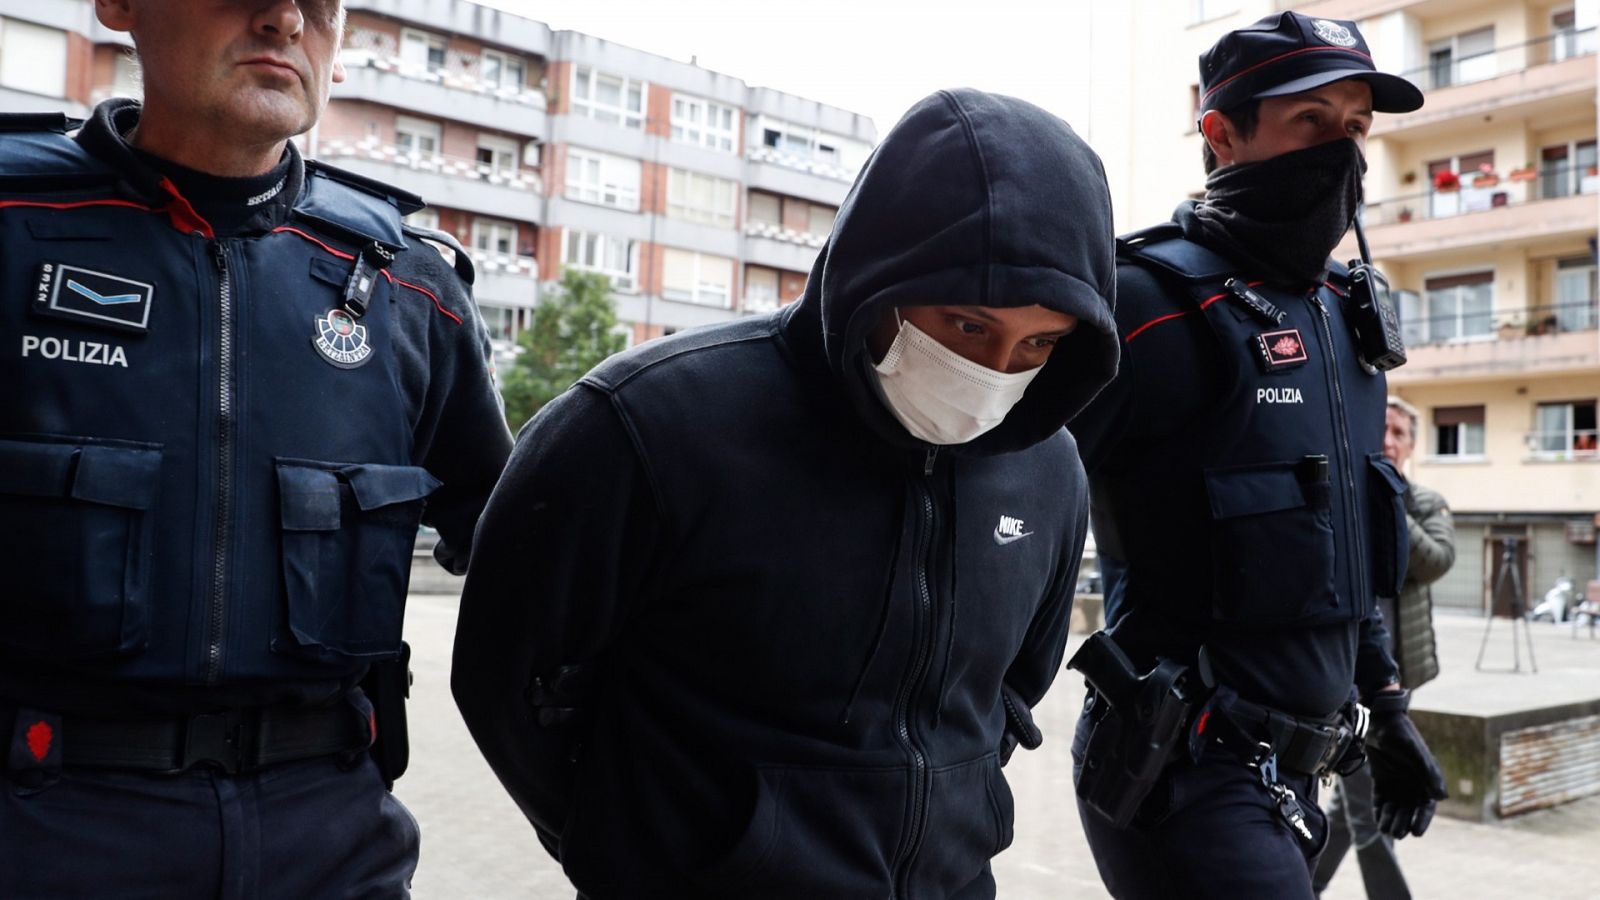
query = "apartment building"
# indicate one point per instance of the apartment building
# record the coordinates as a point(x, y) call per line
point(702, 197)
point(1482, 211)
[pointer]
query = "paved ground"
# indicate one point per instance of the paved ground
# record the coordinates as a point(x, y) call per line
point(477, 845)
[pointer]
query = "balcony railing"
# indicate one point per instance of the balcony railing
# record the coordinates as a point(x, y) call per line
point(504, 263)
point(460, 71)
point(1564, 444)
point(1542, 51)
point(788, 235)
point(1535, 321)
point(1478, 193)
point(801, 163)
point(455, 167)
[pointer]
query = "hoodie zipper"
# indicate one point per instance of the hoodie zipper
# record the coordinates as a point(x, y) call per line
point(223, 512)
point(908, 688)
point(1348, 487)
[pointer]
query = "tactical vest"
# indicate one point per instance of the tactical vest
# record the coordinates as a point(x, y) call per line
point(1275, 505)
point(205, 446)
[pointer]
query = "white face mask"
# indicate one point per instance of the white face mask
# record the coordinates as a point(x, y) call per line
point(940, 396)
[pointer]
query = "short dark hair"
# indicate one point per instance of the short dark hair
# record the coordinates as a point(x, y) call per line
point(1245, 117)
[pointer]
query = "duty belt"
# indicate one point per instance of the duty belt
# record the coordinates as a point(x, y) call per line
point(1306, 746)
point(234, 741)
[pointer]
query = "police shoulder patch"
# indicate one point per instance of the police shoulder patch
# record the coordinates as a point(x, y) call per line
point(341, 339)
point(92, 297)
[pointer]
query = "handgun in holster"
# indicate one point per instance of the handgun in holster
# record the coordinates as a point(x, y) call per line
point(1139, 722)
point(387, 685)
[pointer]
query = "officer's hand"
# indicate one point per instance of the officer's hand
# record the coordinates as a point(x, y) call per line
point(1406, 782)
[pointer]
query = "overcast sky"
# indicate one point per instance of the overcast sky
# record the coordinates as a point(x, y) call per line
point(871, 56)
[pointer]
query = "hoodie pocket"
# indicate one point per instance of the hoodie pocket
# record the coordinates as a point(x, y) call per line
point(1272, 557)
point(78, 547)
point(348, 532)
point(816, 832)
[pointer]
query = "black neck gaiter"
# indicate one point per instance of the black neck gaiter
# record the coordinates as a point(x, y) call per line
point(1283, 216)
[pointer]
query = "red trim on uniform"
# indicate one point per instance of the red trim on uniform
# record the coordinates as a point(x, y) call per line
point(40, 734)
point(372, 727)
point(1200, 726)
point(430, 294)
point(77, 204)
point(1204, 304)
point(183, 214)
point(1240, 74)
point(392, 280)
point(339, 253)
point(1332, 287)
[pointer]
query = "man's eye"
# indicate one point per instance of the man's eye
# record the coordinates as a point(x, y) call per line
point(969, 327)
point(1043, 343)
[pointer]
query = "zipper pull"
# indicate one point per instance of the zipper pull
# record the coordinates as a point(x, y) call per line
point(219, 256)
point(927, 467)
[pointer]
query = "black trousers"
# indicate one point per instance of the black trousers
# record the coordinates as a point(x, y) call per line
point(1208, 830)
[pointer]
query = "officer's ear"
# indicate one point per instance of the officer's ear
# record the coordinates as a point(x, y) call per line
point(116, 15)
point(1221, 135)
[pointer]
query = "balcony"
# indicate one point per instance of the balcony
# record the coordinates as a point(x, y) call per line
point(1351, 10)
point(443, 180)
point(505, 279)
point(785, 173)
point(781, 248)
point(445, 93)
point(1541, 340)
point(1518, 81)
point(1563, 445)
point(1553, 203)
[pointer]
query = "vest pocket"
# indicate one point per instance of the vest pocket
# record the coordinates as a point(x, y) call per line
point(348, 532)
point(1391, 535)
point(78, 546)
point(1271, 545)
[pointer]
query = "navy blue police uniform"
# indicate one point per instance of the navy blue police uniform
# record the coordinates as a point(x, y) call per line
point(215, 452)
point(1241, 497)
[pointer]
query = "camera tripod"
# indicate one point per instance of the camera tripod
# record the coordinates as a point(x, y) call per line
point(1518, 604)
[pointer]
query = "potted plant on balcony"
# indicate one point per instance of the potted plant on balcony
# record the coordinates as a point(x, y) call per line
point(1486, 177)
point(1526, 173)
point(1404, 215)
point(1446, 181)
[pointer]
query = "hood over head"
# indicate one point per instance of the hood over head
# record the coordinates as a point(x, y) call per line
point(973, 199)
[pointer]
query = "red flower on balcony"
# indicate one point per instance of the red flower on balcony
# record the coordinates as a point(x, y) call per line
point(1446, 180)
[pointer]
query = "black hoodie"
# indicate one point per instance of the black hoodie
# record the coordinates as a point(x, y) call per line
point(805, 636)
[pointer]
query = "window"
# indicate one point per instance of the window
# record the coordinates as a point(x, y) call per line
point(760, 289)
point(494, 236)
point(1206, 10)
point(1567, 38)
point(1465, 197)
point(421, 51)
point(765, 208)
point(606, 180)
point(1562, 429)
point(1576, 289)
point(1567, 169)
point(500, 321)
point(1458, 431)
point(497, 155)
point(697, 278)
point(608, 98)
point(700, 198)
point(424, 218)
point(1462, 59)
point(33, 58)
point(616, 257)
point(696, 121)
point(416, 138)
point(821, 220)
point(1459, 307)
point(502, 70)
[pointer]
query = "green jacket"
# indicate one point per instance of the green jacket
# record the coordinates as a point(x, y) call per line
point(1433, 551)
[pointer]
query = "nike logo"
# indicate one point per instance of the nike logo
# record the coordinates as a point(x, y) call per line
point(1009, 531)
point(102, 299)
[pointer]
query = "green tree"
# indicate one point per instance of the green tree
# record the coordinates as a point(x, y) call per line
point(573, 328)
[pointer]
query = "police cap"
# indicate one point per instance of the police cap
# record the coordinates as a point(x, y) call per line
point(1287, 53)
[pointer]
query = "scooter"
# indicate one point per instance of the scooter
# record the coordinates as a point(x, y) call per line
point(1557, 602)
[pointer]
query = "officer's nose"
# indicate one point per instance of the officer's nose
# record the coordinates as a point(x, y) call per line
point(280, 20)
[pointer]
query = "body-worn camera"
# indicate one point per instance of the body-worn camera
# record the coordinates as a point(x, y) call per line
point(1375, 317)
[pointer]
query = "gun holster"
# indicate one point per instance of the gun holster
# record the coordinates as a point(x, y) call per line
point(1138, 726)
point(387, 685)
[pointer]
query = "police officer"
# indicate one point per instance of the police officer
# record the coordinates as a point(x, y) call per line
point(1237, 474)
point(235, 383)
